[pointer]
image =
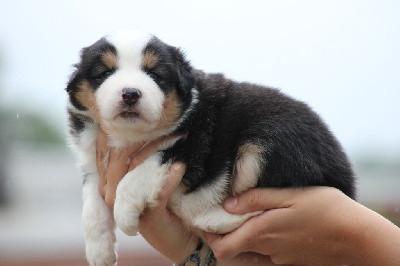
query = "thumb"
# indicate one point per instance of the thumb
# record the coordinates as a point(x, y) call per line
point(259, 199)
point(175, 174)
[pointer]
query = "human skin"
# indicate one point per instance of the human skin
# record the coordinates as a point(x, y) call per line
point(309, 226)
point(300, 226)
point(177, 242)
point(160, 227)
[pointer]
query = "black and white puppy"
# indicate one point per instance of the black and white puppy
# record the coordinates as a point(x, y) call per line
point(232, 136)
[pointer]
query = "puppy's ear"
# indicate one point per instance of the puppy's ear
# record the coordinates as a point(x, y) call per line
point(73, 88)
point(185, 75)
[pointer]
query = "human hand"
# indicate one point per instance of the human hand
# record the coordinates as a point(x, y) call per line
point(313, 225)
point(113, 164)
point(161, 228)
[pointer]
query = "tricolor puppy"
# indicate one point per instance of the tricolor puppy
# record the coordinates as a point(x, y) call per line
point(232, 136)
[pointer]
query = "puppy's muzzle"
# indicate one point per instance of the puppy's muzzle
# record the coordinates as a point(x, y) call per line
point(130, 96)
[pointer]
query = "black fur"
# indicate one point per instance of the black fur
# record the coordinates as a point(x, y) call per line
point(91, 68)
point(172, 71)
point(78, 123)
point(299, 148)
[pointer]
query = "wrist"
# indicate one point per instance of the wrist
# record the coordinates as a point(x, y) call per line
point(202, 256)
point(377, 240)
point(182, 251)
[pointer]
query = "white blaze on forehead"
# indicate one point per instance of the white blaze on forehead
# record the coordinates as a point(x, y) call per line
point(130, 45)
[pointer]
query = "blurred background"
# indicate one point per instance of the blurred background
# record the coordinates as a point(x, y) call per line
point(341, 57)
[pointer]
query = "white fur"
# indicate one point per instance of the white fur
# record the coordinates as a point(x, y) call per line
point(137, 190)
point(202, 208)
point(219, 221)
point(129, 75)
point(247, 168)
point(98, 224)
point(97, 218)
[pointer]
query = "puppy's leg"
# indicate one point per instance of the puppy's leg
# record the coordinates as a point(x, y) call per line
point(98, 224)
point(245, 174)
point(203, 208)
point(137, 190)
point(219, 221)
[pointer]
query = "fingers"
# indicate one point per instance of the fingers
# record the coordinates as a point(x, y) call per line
point(221, 249)
point(147, 151)
point(117, 169)
point(121, 161)
point(230, 245)
point(259, 199)
point(139, 156)
point(175, 174)
point(258, 234)
point(101, 154)
point(112, 165)
point(118, 166)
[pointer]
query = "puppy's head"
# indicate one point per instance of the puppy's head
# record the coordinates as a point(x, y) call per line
point(132, 84)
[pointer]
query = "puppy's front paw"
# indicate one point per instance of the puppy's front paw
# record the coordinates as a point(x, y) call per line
point(101, 252)
point(127, 217)
point(137, 190)
point(221, 222)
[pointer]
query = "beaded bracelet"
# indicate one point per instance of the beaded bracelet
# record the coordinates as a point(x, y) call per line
point(208, 260)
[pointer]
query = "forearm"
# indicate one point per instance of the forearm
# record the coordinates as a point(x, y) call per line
point(247, 258)
point(206, 257)
point(376, 240)
point(163, 229)
point(174, 241)
point(311, 226)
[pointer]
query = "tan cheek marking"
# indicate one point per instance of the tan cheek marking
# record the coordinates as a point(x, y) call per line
point(150, 59)
point(87, 98)
point(109, 59)
point(171, 111)
point(247, 168)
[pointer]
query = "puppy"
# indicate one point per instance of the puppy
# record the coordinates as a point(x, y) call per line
point(232, 136)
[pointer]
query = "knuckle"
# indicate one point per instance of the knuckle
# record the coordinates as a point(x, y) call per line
point(221, 253)
point(109, 201)
point(253, 198)
point(135, 161)
point(162, 196)
point(277, 259)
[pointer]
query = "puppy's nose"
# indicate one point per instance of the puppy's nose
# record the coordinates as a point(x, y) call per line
point(131, 96)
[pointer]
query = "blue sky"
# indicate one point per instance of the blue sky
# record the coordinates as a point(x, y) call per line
point(341, 57)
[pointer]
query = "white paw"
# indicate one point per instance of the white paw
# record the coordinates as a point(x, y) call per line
point(101, 253)
point(221, 222)
point(126, 216)
point(137, 190)
point(98, 225)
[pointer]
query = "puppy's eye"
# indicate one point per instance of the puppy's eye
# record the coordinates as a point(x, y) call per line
point(105, 74)
point(156, 77)
point(101, 74)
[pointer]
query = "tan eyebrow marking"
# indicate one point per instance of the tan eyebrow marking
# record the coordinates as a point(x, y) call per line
point(109, 59)
point(150, 59)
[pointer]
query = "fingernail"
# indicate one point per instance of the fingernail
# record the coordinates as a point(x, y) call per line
point(177, 166)
point(231, 203)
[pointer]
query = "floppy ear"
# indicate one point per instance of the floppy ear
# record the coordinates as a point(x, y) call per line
point(185, 75)
point(76, 78)
point(72, 88)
